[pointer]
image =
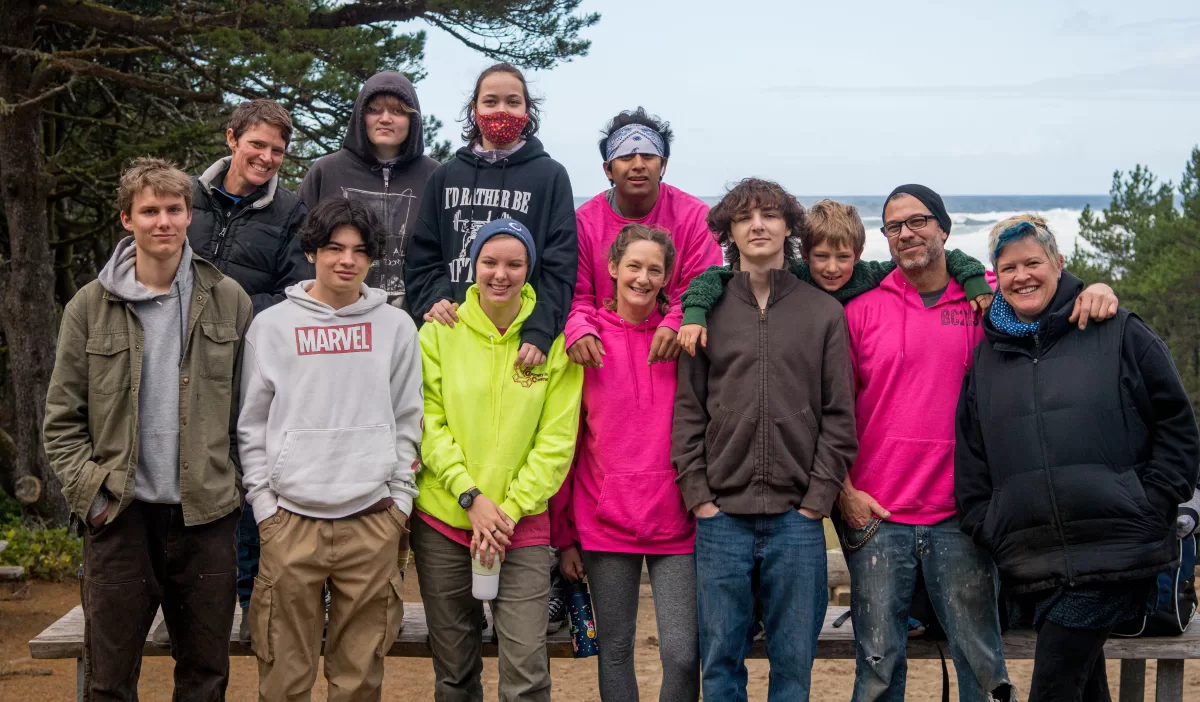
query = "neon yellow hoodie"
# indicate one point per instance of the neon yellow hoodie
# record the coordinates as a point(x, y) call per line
point(508, 432)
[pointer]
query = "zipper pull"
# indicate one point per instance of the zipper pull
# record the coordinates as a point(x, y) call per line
point(762, 314)
point(220, 240)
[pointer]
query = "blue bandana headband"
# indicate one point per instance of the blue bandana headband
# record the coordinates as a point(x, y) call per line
point(635, 139)
point(1002, 316)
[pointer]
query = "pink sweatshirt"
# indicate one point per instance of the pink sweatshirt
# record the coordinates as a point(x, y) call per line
point(621, 495)
point(909, 363)
point(679, 213)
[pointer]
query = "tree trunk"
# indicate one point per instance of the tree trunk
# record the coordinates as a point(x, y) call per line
point(27, 312)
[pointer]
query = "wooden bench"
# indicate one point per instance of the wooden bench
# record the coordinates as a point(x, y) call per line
point(64, 639)
point(10, 572)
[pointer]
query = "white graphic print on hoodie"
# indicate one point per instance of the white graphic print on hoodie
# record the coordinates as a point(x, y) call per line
point(331, 406)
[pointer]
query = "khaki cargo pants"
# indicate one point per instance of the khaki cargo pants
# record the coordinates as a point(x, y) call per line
point(358, 556)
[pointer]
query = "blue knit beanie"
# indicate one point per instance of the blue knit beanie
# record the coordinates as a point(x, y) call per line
point(504, 225)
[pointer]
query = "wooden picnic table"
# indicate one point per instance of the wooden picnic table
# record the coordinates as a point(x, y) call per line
point(64, 639)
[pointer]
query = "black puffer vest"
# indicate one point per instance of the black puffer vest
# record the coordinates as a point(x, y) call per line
point(1066, 447)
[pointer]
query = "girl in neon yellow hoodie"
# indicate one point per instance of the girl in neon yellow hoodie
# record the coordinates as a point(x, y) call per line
point(498, 442)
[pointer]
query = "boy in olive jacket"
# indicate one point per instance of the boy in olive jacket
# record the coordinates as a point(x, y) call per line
point(139, 429)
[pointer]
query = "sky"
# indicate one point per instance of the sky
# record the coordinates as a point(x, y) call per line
point(853, 98)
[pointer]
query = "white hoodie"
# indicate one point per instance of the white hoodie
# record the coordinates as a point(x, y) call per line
point(331, 406)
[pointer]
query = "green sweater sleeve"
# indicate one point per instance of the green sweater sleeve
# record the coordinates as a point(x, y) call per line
point(867, 276)
point(703, 294)
point(969, 273)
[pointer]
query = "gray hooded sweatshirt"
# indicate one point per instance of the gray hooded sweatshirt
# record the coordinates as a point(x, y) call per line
point(393, 191)
point(163, 317)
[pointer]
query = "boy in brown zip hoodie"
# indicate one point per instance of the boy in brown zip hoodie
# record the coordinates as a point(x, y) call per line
point(763, 437)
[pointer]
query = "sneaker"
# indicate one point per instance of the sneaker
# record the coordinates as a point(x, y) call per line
point(161, 637)
point(558, 614)
point(244, 628)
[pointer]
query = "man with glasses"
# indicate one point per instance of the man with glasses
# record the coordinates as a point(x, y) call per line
point(912, 341)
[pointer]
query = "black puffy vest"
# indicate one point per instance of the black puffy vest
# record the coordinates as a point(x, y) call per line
point(1066, 446)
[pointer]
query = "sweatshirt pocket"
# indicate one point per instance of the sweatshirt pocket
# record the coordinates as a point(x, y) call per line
point(731, 452)
point(330, 468)
point(647, 505)
point(795, 445)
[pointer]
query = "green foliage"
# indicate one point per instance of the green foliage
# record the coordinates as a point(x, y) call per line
point(1148, 248)
point(46, 553)
point(9, 507)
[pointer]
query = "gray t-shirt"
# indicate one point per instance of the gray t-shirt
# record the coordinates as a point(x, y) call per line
point(931, 298)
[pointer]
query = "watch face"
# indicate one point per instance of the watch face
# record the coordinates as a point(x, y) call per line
point(464, 500)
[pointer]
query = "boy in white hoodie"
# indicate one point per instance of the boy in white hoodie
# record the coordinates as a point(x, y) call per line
point(328, 433)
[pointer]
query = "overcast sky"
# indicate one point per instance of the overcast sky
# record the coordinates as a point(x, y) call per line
point(853, 98)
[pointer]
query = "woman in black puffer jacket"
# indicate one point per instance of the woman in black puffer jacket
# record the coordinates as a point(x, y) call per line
point(1074, 447)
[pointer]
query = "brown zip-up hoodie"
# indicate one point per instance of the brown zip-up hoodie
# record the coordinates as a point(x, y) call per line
point(764, 416)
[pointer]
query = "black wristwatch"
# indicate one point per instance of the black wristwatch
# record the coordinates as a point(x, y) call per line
point(466, 499)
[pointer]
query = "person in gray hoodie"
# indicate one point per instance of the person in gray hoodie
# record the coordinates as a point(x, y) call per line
point(328, 433)
point(382, 163)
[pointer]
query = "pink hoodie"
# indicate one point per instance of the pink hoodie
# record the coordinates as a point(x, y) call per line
point(909, 363)
point(679, 213)
point(621, 495)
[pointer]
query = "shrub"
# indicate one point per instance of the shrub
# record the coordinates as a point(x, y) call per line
point(45, 553)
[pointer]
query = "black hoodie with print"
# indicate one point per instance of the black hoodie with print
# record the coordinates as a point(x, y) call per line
point(393, 192)
point(467, 192)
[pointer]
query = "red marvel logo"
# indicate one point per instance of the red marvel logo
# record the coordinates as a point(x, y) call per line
point(350, 338)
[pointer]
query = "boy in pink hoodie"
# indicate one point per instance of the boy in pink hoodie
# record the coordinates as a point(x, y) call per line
point(635, 148)
point(620, 506)
point(911, 342)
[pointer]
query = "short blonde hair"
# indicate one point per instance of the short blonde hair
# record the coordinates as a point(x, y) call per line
point(836, 223)
point(1008, 231)
point(391, 100)
point(160, 175)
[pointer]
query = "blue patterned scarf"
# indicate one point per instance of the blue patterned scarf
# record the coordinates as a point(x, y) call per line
point(1004, 319)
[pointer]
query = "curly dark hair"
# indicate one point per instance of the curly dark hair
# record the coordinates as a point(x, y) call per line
point(638, 116)
point(641, 232)
point(330, 214)
point(533, 106)
point(747, 195)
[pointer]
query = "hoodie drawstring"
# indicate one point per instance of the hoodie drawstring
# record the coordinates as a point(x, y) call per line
point(492, 388)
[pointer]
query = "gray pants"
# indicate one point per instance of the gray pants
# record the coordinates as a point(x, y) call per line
point(615, 581)
point(455, 619)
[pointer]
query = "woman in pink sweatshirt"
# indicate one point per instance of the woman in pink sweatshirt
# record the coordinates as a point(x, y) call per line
point(619, 504)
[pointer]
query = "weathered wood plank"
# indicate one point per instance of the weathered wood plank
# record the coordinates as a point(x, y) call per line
point(64, 639)
point(1133, 681)
point(11, 572)
point(1169, 685)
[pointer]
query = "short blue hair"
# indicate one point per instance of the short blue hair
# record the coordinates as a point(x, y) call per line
point(1017, 228)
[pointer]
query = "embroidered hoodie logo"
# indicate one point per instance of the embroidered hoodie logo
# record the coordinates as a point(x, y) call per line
point(349, 338)
point(527, 377)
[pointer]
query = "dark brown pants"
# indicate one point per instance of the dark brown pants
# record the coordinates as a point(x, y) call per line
point(144, 558)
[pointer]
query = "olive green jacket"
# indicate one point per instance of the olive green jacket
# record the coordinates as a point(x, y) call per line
point(91, 427)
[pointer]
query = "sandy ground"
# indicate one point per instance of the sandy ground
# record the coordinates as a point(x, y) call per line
point(22, 678)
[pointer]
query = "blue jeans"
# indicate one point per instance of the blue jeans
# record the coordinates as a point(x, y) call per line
point(963, 587)
point(247, 555)
point(789, 551)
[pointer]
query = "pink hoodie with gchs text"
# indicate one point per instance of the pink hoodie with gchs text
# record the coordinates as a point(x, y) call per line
point(621, 495)
point(909, 363)
point(682, 215)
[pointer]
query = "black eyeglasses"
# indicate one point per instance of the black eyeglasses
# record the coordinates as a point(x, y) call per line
point(917, 222)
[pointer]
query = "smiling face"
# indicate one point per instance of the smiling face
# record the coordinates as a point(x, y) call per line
point(159, 224)
point(637, 175)
point(387, 121)
point(257, 156)
point(342, 264)
point(640, 274)
point(831, 267)
point(913, 250)
point(760, 234)
point(1028, 277)
point(501, 270)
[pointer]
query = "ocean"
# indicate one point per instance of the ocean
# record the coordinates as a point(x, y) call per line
point(973, 217)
